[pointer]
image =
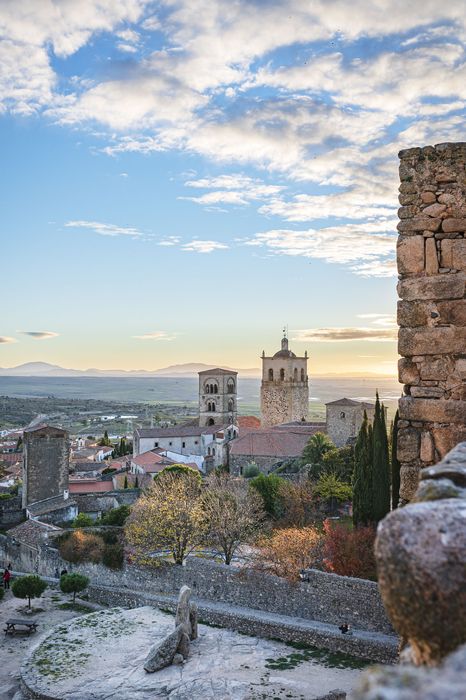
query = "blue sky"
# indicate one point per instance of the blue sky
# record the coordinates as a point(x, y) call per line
point(182, 178)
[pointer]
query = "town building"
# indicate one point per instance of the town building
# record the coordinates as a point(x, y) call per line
point(344, 419)
point(284, 387)
point(218, 397)
point(46, 455)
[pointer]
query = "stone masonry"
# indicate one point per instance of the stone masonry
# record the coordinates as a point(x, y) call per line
point(431, 255)
point(284, 387)
point(46, 457)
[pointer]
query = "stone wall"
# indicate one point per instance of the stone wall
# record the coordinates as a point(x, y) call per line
point(323, 597)
point(11, 512)
point(46, 454)
point(283, 402)
point(431, 254)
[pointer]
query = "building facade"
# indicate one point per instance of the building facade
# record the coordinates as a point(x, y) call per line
point(344, 418)
point(46, 457)
point(217, 397)
point(284, 387)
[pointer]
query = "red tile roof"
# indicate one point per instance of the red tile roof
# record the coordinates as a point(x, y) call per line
point(248, 422)
point(90, 486)
point(271, 443)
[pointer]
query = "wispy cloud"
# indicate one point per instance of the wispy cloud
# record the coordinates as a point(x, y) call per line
point(6, 339)
point(203, 246)
point(106, 229)
point(385, 330)
point(169, 241)
point(40, 335)
point(156, 335)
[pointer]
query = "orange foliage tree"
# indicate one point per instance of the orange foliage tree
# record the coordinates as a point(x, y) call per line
point(286, 552)
point(349, 552)
point(81, 547)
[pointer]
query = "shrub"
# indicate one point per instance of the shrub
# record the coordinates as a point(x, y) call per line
point(349, 552)
point(250, 471)
point(2, 593)
point(116, 516)
point(108, 470)
point(286, 552)
point(73, 583)
point(113, 556)
point(28, 587)
point(81, 547)
point(109, 536)
point(269, 487)
point(82, 520)
point(180, 469)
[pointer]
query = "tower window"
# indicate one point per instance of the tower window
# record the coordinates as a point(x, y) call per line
point(342, 414)
point(282, 374)
point(215, 389)
point(231, 405)
point(231, 386)
point(207, 389)
point(295, 374)
point(302, 376)
point(183, 444)
point(270, 375)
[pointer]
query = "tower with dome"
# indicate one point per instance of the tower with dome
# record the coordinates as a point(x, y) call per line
point(284, 387)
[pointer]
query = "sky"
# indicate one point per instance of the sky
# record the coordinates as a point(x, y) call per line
point(182, 179)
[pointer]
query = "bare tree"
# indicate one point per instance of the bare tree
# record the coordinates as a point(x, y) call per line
point(234, 513)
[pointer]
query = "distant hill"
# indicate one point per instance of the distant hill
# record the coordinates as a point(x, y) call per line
point(45, 369)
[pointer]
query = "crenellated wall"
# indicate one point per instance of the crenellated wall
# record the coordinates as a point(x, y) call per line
point(431, 256)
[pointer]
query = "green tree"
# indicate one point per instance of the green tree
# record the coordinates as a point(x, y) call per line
point(116, 516)
point(136, 482)
point(125, 483)
point(340, 461)
point(73, 583)
point(318, 445)
point(251, 470)
point(2, 593)
point(395, 464)
point(332, 490)
point(380, 465)
point(82, 520)
point(180, 469)
point(30, 586)
point(270, 488)
point(105, 441)
point(362, 476)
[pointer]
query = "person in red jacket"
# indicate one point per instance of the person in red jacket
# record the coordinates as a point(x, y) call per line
point(6, 579)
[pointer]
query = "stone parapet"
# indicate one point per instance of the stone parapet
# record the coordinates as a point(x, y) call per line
point(431, 257)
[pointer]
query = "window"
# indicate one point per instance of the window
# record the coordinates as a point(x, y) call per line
point(270, 375)
point(295, 374)
point(213, 451)
point(215, 389)
point(207, 389)
point(211, 421)
point(183, 444)
point(170, 444)
point(303, 378)
point(282, 374)
point(196, 442)
point(156, 444)
point(342, 414)
point(231, 405)
point(230, 386)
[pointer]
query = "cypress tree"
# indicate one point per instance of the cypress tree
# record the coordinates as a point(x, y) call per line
point(395, 465)
point(125, 483)
point(362, 481)
point(380, 465)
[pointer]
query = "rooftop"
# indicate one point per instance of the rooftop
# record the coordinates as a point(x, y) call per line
point(273, 443)
point(218, 370)
point(178, 431)
point(32, 532)
point(49, 504)
point(350, 402)
point(90, 486)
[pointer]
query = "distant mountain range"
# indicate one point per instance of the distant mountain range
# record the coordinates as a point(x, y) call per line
point(45, 369)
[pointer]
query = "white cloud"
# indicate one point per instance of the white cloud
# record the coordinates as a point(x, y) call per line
point(170, 241)
point(197, 246)
point(40, 335)
point(106, 229)
point(6, 339)
point(156, 335)
point(340, 335)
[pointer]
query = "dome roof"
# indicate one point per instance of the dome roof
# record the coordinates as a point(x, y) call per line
point(284, 354)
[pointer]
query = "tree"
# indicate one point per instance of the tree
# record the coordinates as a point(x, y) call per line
point(332, 490)
point(362, 476)
point(73, 583)
point(340, 461)
point(233, 513)
point(395, 471)
point(251, 470)
point(316, 448)
point(270, 489)
point(168, 517)
point(116, 516)
point(30, 586)
point(298, 503)
point(349, 552)
point(82, 520)
point(136, 482)
point(2, 593)
point(180, 469)
point(82, 546)
point(380, 465)
point(105, 441)
point(288, 551)
point(125, 483)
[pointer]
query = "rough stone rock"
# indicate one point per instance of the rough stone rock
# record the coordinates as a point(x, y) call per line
point(458, 254)
point(453, 312)
point(434, 210)
point(446, 258)
point(409, 482)
point(433, 410)
point(435, 489)
point(434, 287)
point(454, 225)
point(431, 341)
point(193, 619)
point(428, 197)
point(410, 254)
point(184, 646)
point(162, 654)
point(431, 257)
point(436, 368)
point(420, 552)
point(427, 451)
point(408, 372)
point(408, 444)
point(182, 610)
point(427, 392)
point(419, 224)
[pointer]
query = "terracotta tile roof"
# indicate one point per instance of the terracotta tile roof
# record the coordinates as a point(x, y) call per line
point(90, 486)
point(248, 422)
point(218, 370)
point(32, 532)
point(271, 443)
point(178, 431)
point(49, 504)
point(350, 402)
point(43, 427)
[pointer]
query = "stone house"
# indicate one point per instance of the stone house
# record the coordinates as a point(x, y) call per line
point(344, 419)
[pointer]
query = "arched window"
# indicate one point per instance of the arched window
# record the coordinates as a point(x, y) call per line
point(231, 386)
point(303, 379)
point(212, 407)
point(208, 451)
point(213, 451)
point(270, 375)
point(342, 414)
point(215, 389)
point(282, 374)
point(207, 389)
point(212, 389)
point(211, 421)
point(295, 374)
point(231, 405)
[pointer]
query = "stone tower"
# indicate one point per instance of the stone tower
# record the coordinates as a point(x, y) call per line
point(284, 388)
point(217, 397)
point(46, 456)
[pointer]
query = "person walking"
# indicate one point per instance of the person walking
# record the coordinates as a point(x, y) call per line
point(6, 579)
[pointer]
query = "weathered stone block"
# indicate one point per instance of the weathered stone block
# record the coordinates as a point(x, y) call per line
point(458, 254)
point(446, 258)
point(407, 212)
point(419, 224)
point(414, 313)
point(408, 372)
point(410, 254)
point(427, 452)
point(451, 286)
point(454, 225)
point(432, 410)
point(431, 341)
point(427, 392)
point(434, 210)
point(431, 257)
point(428, 197)
point(409, 476)
point(408, 444)
point(436, 368)
point(453, 312)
